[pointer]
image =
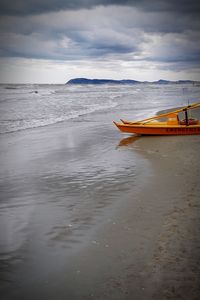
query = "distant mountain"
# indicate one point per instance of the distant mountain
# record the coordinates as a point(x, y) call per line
point(100, 81)
point(124, 81)
point(186, 81)
point(161, 81)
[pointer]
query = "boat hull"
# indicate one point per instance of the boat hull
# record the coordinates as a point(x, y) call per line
point(159, 130)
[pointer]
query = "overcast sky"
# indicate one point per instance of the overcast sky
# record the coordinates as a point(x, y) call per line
point(52, 41)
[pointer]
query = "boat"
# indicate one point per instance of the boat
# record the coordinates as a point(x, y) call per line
point(171, 124)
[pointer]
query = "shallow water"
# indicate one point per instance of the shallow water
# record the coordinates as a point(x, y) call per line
point(32, 106)
point(64, 172)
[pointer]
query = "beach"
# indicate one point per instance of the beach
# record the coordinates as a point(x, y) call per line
point(90, 213)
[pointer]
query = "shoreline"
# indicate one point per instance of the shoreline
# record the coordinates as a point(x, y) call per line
point(108, 219)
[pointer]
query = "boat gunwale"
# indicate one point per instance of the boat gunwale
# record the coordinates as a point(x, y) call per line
point(156, 125)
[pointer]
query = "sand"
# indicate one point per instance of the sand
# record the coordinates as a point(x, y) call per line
point(150, 249)
point(129, 229)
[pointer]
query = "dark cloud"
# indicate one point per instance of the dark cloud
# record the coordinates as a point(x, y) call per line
point(67, 35)
point(29, 7)
point(163, 32)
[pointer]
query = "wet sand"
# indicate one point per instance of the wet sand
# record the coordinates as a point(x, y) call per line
point(85, 215)
point(150, 248)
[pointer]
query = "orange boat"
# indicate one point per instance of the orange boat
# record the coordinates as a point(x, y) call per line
point(172, 125)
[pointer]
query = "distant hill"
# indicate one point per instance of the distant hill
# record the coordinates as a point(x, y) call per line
point(100, 81)
point(161, 81)
point(124, 81)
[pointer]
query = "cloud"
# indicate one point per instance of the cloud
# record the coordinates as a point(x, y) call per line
point(66, 35)
point(155, 34)
point(173, 48)
point(29, 7)
point(98, 32)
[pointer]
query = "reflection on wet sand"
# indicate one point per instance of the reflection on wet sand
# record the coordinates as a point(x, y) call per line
point(129, 140)
point(8, 262)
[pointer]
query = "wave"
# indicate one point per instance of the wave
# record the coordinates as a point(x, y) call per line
point(10, 126)
point(11, 88)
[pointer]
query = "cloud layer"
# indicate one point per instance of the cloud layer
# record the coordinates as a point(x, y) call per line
point(25, 7)
point(164, 33)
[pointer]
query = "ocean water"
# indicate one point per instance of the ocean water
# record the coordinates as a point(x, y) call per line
point(30, 106)
point(63, 174)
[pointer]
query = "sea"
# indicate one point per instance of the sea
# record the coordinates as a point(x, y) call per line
point(30, 106)
point(65, 171)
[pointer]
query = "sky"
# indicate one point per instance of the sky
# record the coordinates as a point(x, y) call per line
point(52, 41)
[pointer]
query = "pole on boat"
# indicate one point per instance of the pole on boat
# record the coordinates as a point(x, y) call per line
point(186, 116)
